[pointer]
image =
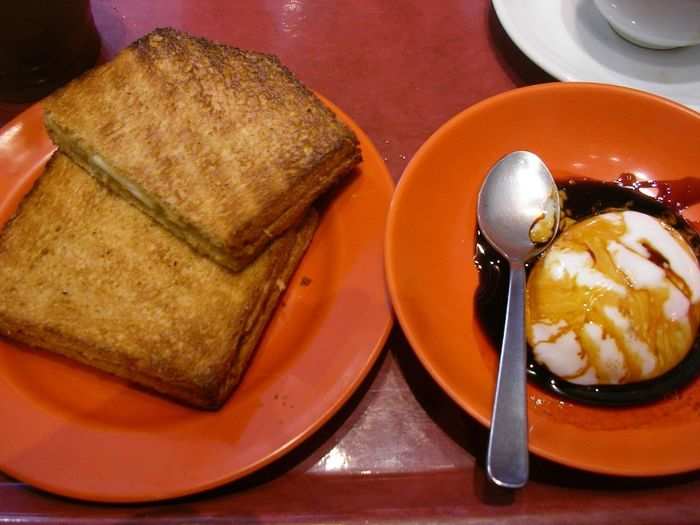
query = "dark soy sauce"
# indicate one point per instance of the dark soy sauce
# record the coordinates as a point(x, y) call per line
point(585, 198)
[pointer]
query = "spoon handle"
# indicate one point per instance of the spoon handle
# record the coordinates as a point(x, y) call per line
point(507, 459)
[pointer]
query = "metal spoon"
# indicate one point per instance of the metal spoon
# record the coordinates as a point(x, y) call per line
point(518, 202)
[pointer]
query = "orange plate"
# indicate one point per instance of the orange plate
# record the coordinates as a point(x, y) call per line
point(588, 130)
point(76, 432)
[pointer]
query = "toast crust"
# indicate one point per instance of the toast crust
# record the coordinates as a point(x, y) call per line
point(244, 151)
point(87, 275)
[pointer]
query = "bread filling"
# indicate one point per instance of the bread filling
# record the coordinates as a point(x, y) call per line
point(100, 169)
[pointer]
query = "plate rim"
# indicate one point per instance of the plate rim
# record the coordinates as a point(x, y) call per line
point(391, 272)
point(501, 10)
point(533, 52)
point(373, 354)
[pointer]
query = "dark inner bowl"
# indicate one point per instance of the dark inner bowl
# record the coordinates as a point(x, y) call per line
point(584, 199)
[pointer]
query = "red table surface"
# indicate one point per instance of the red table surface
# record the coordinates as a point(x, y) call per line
point(400, 450)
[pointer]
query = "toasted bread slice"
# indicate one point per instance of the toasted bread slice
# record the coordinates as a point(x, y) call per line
point(86, 274)
point(223, 147)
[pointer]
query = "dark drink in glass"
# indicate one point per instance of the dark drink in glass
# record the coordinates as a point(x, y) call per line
point(43, 44)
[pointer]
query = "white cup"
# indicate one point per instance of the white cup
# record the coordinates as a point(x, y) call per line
point(657, 24)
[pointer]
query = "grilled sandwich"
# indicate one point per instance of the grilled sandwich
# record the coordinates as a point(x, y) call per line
point(88, 275)
point(223, 147)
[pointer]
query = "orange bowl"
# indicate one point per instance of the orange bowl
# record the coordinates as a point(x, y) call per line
point(81, 433)
point(579, 130)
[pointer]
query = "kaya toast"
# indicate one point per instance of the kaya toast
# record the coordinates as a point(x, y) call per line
point(222, 146)
point(85, 274)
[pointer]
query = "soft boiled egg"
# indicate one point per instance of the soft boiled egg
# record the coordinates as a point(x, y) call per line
point(615, 299)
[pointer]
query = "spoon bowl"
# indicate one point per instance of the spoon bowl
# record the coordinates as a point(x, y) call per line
point(518, 192)
point(518, 213)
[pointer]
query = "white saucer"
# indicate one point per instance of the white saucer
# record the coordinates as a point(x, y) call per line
point(572, 41)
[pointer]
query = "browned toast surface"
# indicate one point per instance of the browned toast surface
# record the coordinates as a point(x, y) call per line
point(86, 274)
point(222, 146)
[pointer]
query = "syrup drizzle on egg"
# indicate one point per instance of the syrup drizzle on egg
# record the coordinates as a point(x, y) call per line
point(598, 276)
